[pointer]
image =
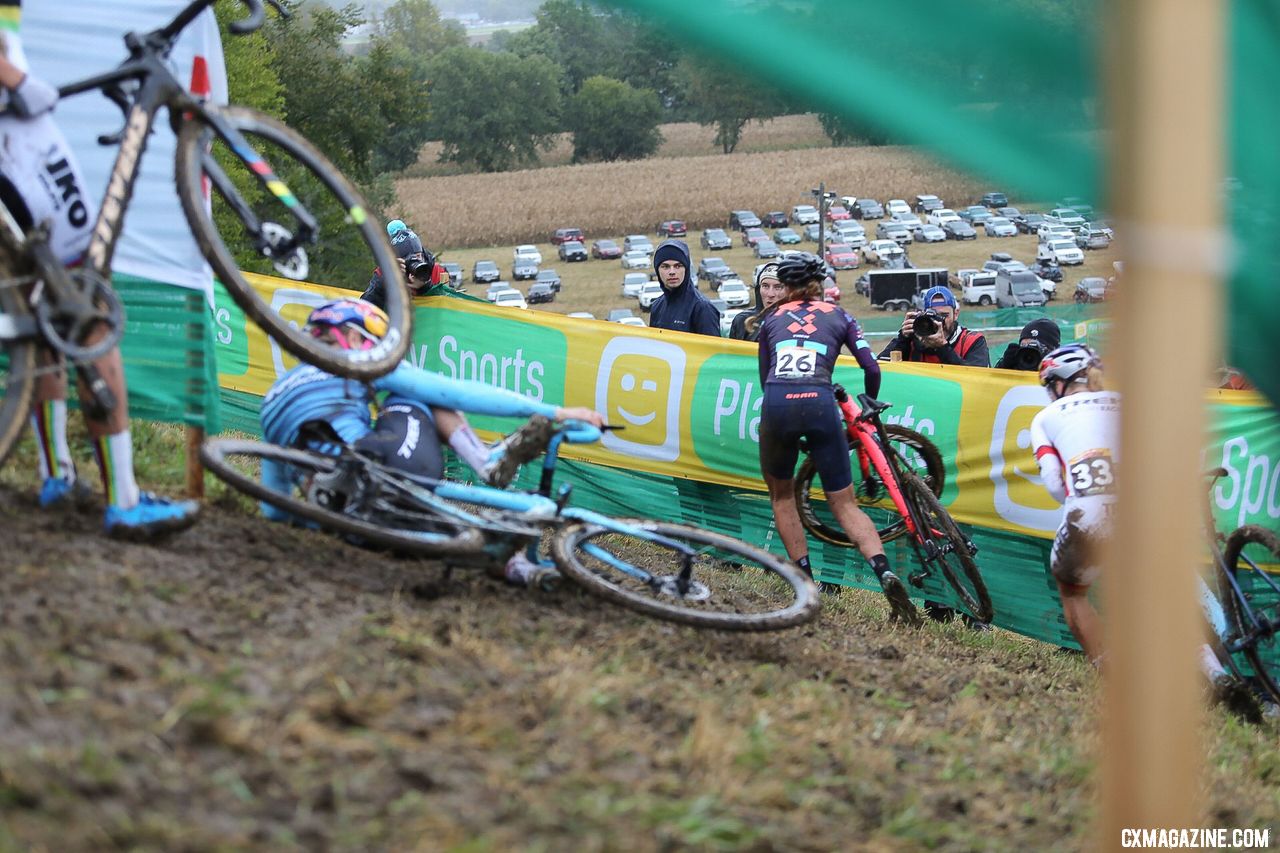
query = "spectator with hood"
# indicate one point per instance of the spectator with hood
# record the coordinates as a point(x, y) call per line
point(769, 292)
point(681, 307)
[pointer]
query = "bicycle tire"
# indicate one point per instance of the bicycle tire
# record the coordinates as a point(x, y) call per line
point(1266, 662)
point(17, 362)
point(327, 190)
point(733, 585)
point(215, 452)
point(974, 597)
point(889, 524)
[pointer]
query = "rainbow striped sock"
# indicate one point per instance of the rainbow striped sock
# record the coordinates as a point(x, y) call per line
point(115, 461)
point(49, 421)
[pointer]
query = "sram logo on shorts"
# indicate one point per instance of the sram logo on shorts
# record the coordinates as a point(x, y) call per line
point(638, 385)
point(1020, 496)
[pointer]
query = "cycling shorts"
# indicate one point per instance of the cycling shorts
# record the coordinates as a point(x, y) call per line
point(404, 438)
point(1075, 559)
point(792, 412)
point(41, 181)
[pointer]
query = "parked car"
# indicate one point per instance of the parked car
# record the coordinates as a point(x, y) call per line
point(896, 205)
point(751, 236)
point(1064, 252)
point(776, 219)
point(931, 234)
point(649, 293)
point(765, 248)
point(1067, 216)
point(804, 214)
point(1029, 223)
point(550, 278)
point(527, 251)
point(810, 233)
point(637, 243)
point(572, 251)
point(786, 237)
point(849, 232)
point(635, 260)
point(979, 289)
point(1054, 231)
point(867, 208)
point(1014, 290)
point(734, 292)
point(581, 315)
point(1009, 213)
point(633, 321)
point(891, 229)
point(633, 283)
point(510, 299)
point(713, 269)
point(842, 257)
point(994, 199)
point(523, 267)
point(928, 203)
point(975, 215)
point(908, 219)
point(672, 228)
point(719, 304)
point(1091, 238)
point(484, 272)
point(998, 226)
point(496, 287)
point(958, 229)
point(605, 250)
point(1047, 269)
point(715, 239)
point(564, 235)
point(837, 212)
point(957, 279)
point(617, 315)
point(740, 220)
point(1091, 288)
point(878, 250)
point(1007, 265)
point(941, 216)
point(455, 273)
point(726, 320)
point(539, 292)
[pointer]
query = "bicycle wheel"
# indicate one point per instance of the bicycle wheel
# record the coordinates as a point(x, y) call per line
point(921, 456)
point(953, 557)
point(732, 586)
point(232, 461)
point(244, 228)
point(17, 360)
point(1252, 555)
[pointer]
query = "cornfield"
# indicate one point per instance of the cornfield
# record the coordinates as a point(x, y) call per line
point(609, 199)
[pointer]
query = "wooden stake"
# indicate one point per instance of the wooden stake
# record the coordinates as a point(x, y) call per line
point(1165, 98)
point(195, 471)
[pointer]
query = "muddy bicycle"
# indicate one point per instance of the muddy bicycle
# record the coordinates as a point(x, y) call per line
point(902, 477)
point(672, 571)
point(276, 206)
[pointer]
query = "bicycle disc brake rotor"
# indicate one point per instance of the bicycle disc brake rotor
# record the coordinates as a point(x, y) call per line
point(667, 585)
point(292, 265)
point(64, 327)
point(332, 490)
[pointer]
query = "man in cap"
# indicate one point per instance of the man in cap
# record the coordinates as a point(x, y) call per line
point(1038, 339)
point(935, 335)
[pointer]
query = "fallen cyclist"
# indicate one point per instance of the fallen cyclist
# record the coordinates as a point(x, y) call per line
point(310, 409)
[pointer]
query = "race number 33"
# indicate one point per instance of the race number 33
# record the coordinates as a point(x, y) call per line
point(1092, 473)
point(796, 363)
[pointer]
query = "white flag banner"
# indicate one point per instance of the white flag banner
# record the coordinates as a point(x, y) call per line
point(68, 40)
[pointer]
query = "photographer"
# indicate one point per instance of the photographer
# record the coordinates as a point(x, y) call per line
point(418, 265)
point(935, 335)
point(1038, 338)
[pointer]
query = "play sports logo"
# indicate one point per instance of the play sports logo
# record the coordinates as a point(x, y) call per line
point(638, 385)
point(1020, 496)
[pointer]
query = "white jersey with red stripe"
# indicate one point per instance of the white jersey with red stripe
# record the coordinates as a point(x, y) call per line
point(1077, 445)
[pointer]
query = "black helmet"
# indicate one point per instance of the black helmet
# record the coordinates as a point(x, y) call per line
point(799, 269)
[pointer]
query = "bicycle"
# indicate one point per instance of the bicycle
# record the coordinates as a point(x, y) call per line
point(272, 217)
point(902, 479)
point(1245, 613)
point(671, 571)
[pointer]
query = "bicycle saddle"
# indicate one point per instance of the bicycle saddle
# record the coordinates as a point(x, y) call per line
point(871, 406)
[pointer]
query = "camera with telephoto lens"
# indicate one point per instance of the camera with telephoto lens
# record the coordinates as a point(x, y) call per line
point(1029, 356)
point(418, 268)
point(927, 323)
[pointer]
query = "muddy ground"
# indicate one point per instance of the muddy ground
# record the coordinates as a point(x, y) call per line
point(249, 686)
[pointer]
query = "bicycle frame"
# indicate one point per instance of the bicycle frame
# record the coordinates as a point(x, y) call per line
point(1210, 602)
point(874, 451)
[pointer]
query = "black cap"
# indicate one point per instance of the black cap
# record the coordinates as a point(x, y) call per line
point(1043, 330)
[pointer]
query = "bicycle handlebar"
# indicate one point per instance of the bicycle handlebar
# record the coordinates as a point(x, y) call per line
point(579, 432)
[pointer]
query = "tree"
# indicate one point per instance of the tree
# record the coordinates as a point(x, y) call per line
point(415, 26)
point(570, 34)
point(842, 130)
point(722, 97)
point(493, 110)
point(611, 120)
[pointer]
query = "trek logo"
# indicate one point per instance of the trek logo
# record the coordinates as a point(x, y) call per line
point(1020, 496)
point(59, 171)
point(639, 385)
point(113, 204)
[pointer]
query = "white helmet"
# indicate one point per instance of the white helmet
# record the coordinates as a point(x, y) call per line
point(1068, 364)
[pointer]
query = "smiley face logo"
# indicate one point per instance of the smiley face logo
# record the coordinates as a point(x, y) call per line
point(294, 305)
point(1020, 496)
point(638, 385)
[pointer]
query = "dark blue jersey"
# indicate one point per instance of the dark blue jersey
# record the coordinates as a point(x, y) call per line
point(800, 341)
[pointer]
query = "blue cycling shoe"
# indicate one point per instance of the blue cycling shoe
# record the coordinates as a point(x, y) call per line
point(152, 517)
point(56, 490)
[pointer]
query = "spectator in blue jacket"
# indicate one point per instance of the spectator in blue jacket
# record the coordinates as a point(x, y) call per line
point(681, 307)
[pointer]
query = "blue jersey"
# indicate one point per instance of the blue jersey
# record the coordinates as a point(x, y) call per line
point(800, 341)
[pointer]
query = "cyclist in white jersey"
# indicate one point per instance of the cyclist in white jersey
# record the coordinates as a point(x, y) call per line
point(1077, 445)
point(40, 182)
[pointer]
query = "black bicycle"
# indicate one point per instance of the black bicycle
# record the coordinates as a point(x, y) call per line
point(258, 198)
point(1245, 612)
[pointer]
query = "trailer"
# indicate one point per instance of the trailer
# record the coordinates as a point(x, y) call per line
point(897, 290)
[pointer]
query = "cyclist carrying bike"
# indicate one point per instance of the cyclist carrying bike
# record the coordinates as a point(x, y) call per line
point(40, 182)
point(315, 410)
point(799, 342)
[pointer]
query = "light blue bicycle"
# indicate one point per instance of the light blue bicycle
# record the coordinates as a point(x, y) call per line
point(672, 571)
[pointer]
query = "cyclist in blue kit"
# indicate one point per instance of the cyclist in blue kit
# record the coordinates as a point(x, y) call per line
point(318, 411)
point(800, 340)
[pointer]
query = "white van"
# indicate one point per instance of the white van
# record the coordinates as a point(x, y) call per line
point(979, 288)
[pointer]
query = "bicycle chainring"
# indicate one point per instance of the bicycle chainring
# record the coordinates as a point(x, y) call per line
point(65, 327)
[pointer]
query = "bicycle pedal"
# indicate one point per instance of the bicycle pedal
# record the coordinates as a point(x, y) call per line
point(916, 579)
